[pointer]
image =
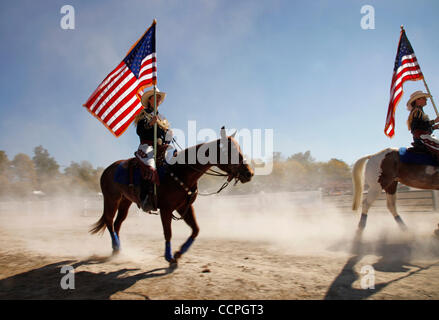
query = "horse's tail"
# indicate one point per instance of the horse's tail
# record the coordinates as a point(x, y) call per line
point(99, 226)
point(358, 181)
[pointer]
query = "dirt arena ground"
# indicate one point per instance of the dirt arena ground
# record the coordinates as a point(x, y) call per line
point(259, 248)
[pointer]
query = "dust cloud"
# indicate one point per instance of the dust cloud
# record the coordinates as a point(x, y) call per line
point(293, 223)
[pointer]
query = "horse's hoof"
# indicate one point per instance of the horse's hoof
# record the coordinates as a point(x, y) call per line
point(173, 264)
point(177, 255)
point(116, 251)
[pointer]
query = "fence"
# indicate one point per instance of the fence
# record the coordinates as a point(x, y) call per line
point(406, 201)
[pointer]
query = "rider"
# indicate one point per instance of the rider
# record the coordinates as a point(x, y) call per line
point(145, 121)
point(421, 126)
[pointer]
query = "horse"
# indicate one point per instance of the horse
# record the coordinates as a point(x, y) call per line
point(384, 170)
point(177, 189)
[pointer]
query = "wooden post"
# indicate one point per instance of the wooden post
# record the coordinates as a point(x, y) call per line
point(435, 199)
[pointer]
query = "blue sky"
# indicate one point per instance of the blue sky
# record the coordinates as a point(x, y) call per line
point(305, 69)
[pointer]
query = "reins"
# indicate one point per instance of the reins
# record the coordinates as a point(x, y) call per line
point(191, 194)
point(212, 173)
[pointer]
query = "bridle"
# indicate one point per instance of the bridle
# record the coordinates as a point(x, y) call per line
point(211, 172)
point(235, 174)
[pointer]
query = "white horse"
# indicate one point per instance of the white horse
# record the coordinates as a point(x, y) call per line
point(383, 172)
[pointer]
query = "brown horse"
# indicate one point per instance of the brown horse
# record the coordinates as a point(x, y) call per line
point(383, 172)
point(177, 189)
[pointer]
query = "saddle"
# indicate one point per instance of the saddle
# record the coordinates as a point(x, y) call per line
point(417, 155)
point(418, 148)
point(132, 166)
point(129, 172)
point(141, 178)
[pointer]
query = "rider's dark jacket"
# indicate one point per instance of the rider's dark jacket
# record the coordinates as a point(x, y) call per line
point(420, 125)
point(146, 132)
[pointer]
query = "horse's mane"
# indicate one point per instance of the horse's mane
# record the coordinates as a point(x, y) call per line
point(185, 152)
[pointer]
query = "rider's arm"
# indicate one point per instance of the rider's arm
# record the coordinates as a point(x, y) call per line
point(152, 121)
point(419, 124)
point(433, 122)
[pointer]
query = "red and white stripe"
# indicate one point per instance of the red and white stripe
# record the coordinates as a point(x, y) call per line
point(115, 102)
point(430, 142)
point(409, 70)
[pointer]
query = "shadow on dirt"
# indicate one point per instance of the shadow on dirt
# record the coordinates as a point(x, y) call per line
point(45, 282)
point(395, 256)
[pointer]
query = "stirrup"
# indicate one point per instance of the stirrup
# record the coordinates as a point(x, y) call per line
point(147, 206)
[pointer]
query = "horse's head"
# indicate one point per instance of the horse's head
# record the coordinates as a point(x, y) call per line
point(231, 159)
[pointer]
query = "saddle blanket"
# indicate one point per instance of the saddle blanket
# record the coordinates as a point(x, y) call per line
point(122, 174)
point(407, 156)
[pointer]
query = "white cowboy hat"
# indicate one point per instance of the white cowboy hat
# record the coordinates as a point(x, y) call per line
point(146, 95)
point(416, 95)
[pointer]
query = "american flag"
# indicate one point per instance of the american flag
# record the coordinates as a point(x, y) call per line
point(406, 68)
point(116, 101)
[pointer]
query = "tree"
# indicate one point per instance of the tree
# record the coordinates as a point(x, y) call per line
point(23, 168)
point(5, 173)
point(337, 169)
point(277, 156)
point(302, 157)
point(4, 162)
point(45, 165)
point(83, 176)
point(24, 174)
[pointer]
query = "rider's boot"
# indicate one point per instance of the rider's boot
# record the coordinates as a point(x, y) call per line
point(146, 195)
point(146, 204)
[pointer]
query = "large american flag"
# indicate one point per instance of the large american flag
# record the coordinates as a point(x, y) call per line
point(406, 68)
point(116, 101)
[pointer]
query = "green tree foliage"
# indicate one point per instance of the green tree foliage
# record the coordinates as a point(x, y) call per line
point(83, 176)
point(336, 169)
point(301, 172)
point(24, 178)
point(45, 165)
point(304, 158)
point(298, 172)
point(5, 174)
point(4, 162)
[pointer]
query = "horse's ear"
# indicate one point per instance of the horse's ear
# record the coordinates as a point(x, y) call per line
point(223, 133)
point(233, 135)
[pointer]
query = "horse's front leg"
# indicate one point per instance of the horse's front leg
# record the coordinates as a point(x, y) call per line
point(166, 216)
point(189, 218)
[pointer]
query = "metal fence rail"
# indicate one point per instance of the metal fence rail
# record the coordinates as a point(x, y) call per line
point(406, 201)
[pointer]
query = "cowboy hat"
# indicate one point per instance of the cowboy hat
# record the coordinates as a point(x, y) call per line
point(146, 95)
point(416, 95)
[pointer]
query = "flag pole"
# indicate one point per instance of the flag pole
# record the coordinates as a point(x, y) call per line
point(155, 146)
point(425, 84)
point(431, 97)
point(155, 136)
